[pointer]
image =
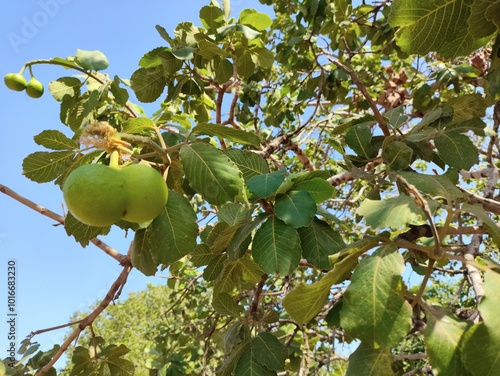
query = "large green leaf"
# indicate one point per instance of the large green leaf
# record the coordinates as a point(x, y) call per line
point(319, 189)
point(456, 149)
point(248, 365)
point(224, 304)
point(265, 185)
point(269, 351)
point(366, 360)
point(358, 138)
point(55, 140)
point(65, 87)
point(439, 25)
point(442, 336)
point(397, 155)
point(172, 235)
point(256, 20)
point(242, 237)
point(228, 133)
point(435, 185)
point(211, 17)
point(211, 173)
point(295, 208)
point(393, 212)
point(148, 83)
point(374, 308)
point(276, 247)
point(138, 126)
point(250, 164)
point(318, 241)
point(42, 166)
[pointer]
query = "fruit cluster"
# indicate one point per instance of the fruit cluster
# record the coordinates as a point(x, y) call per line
point(100, 195)
point(17, 82)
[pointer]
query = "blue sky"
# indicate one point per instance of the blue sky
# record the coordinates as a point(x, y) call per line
point(55, 275)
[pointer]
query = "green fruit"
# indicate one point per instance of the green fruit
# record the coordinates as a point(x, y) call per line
point(34, 88)
point(15, 81)
point(99, 195)
point(96, 194)
point(147, 191)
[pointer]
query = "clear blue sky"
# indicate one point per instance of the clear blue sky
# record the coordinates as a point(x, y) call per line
point(56, 276)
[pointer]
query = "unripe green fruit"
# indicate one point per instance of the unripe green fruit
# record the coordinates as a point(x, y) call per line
point(147, 191)
point(34, 88)
point(99, 195)
point(15, 81)
point(96, 194)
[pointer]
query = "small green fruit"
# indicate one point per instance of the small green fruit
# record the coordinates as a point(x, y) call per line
point(15, 81)
point(96, 194)
point(147, 191)
point(34, 88)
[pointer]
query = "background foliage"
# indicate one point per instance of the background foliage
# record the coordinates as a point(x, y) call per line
point(312, 157)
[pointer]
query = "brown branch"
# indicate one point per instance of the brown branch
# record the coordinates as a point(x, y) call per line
point(60, 219)
point(40, 331)
point(256, 297)
point(116, 286)
point(346, 176)
point(380, 119)
point(417, 356)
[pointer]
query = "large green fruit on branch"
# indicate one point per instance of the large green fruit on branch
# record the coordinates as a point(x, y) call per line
point(34, 88)
point(100, 195)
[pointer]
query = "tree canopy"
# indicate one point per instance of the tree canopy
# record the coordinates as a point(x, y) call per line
point(313, 154)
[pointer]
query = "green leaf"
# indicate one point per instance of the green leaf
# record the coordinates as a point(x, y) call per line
point(82, 232)
point(148, 83)
point(209, 50)
point(248, 365)
point(366, 360)
point(55, 140)
point(140, 254)
point(164, 34)
point(435, 185)
point(489, 224)
point(359, 138)
point(211, 173)
point(442, 337)
point(466, 107)
point(319, 189)
point(120, 94)
point(249, 163)
point(295, 208)
point(211, 17)
point(245, 64)
point(184, 53)
point(141, 125)
point(152, 59)
point(457, 150)
point(242, 237)
point(234, 214)
point(393, 212)
point(191, 87)
point(319, 241)
point(276, 247)
point(269, 351)
point(397, 155)
point(169, 62)
point(65, 87)
point(224, 304)
point(224, 71)
point(172, 235)
point(305, 301)
point(265, 185)
point(374, 308)
point(42, 166)
point(256, 20)
point(262, 57)
point(231, 134)
point(91, 60)
point(481, 343)
point(437, 25)
point(478, 25)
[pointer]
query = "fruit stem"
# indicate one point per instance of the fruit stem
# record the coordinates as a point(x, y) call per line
point(114, 159)
point(31, 72)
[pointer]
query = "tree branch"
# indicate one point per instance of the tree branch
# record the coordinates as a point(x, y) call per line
point(111, 295)
point(60, 219)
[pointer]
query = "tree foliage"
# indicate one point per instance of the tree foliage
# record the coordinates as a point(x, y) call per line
point(313, 154)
